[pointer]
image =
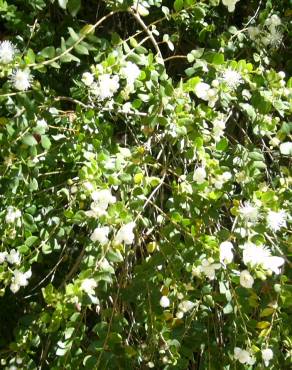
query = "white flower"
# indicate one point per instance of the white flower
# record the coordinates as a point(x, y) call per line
point(88, 286)
point(232, 78)
point(186, 306)
point(102, 199)
point(179, 315)
point(13, 257)
point(243, 356)
point(209, 268)
point(201, 90)
point(249, 212)
point(3, 256)
point(226, 254)
point(274, 142)
point(253, 32)
point(230, 4)
point(7, 51)
point(221, 179)
point(19, 279)
point(100, 234)
point(125, 234)
point(21, 79)
point(103, 196)
point(267, 355)
point(273, 263)
point(87, 78)
point(218, 129)
point(88, 186)
point(253, 254)
point(12, 215)
point(199, 175)
point(261, 255)
point(164, 301)
point(282, 74)
point(246, 280)
point(130, 72)
point(273, 21)
point(274, 38)
point(127, 108)
point(14, 288)
point(276, 220)
point(106, 86)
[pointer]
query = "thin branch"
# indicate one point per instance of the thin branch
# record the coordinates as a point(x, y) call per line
point(84, 35)
point(147, 30)
point(175, 57)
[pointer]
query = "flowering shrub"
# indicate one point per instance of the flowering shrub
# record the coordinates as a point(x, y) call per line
point(145, 184)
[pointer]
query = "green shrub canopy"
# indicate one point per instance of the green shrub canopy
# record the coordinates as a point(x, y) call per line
point(145, 158)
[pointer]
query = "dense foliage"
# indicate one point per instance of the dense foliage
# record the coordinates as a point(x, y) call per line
point(145, 158)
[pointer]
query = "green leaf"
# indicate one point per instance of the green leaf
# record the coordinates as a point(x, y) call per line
point(222, 145)
point(199, 12)
point(249, 110)
point(31, 241)
point(29, 140)
point(81, 49)
point(48, 52)
point(191, 84)
point(73, 34)
point(45, 141)
point(218, 59)
point(267, 312)
point(115, 256)
point(178, 5)
point(263, 324)
point(74, 7)
point(228, 309)
point(30, 57)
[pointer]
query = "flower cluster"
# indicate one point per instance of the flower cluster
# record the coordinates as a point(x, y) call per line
point(107, 84)
point(270, 34)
